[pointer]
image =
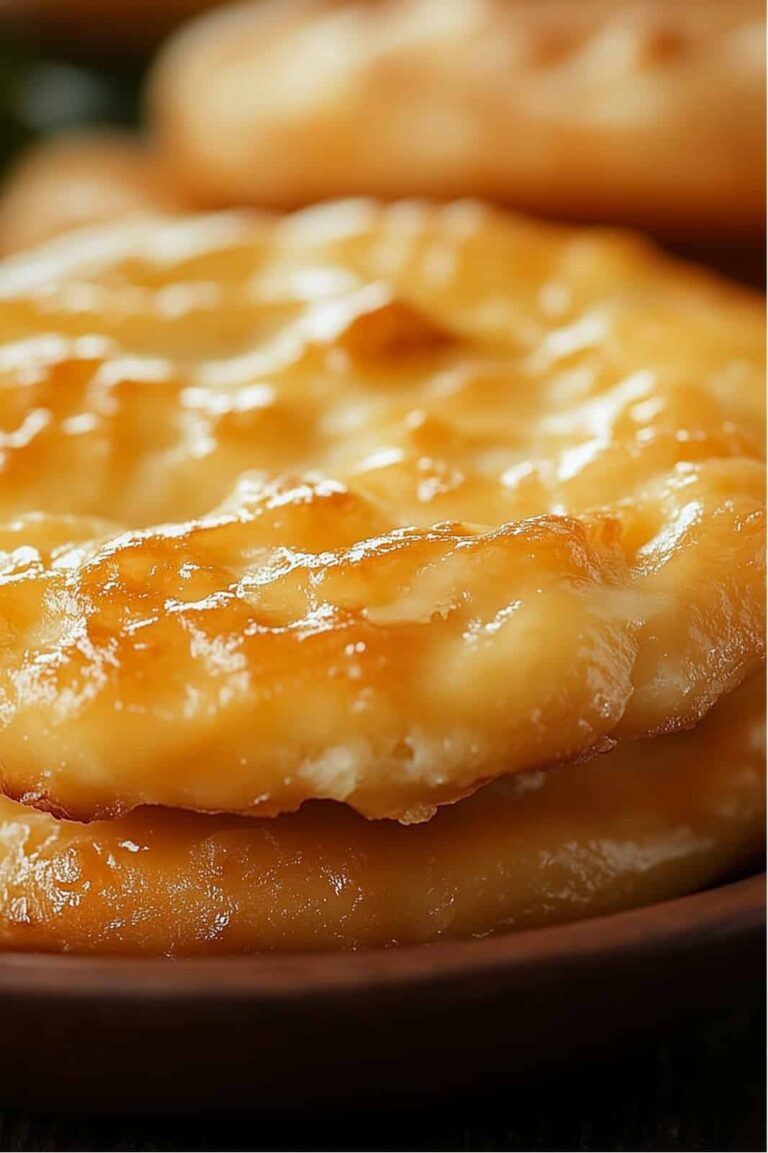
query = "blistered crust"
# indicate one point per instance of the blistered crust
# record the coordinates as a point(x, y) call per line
point(366, 504)
point(640, 112)
point(652, 820)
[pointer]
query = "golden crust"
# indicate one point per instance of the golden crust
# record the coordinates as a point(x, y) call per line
point(642, 112)
point(652, 820)
point(510, 507)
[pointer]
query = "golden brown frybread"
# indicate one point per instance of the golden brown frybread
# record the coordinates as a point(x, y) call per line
point(370, 504)
point(650, 821)
point(355, 511)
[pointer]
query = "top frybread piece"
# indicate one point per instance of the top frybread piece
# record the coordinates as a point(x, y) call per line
point(365, 503)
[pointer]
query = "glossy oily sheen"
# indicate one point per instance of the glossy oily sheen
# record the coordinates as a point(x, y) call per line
point(652, 820)
point(367, 504)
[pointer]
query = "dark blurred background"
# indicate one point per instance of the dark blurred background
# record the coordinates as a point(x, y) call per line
point(48, 87)
point(63, 66)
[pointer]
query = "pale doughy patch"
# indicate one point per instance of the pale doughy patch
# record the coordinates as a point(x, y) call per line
point(495, 501)
point(644, 112)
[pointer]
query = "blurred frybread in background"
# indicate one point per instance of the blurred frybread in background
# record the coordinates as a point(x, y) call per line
point(640, 111)
point(635, 112)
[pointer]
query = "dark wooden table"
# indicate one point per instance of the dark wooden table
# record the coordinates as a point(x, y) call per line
point(702, 1090)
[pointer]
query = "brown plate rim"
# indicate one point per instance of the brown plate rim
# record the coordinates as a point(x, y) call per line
point(736, 909)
